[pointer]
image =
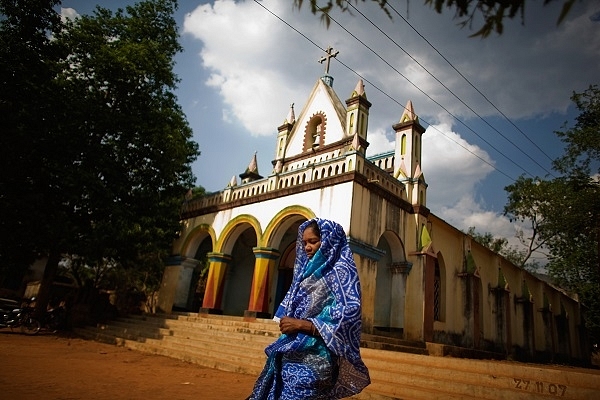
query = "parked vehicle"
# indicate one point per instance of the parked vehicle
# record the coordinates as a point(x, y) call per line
point(13, 315)
point(54, 319)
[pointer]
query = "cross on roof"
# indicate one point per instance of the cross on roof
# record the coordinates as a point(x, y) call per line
point(328, 57)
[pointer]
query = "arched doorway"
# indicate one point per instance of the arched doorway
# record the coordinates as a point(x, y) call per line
point(238, 278)
point(383, 292)
point(283, 237)
point(198, 282)
point(390, 289)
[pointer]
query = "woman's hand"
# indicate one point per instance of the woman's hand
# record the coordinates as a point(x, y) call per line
point(289, 325)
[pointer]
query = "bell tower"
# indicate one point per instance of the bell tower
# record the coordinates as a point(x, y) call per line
point(407, 159)
point(357, 112)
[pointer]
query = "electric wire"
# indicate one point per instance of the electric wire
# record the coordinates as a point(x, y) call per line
point(390, 97)
point(450, 90)
point(413, 84)
point(470, 84)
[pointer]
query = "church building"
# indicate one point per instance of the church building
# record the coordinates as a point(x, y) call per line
point(422, 279)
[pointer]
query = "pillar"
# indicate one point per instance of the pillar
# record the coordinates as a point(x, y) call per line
point(264, 267)
point(213, 293)
point(400, 272)
point(175, 285)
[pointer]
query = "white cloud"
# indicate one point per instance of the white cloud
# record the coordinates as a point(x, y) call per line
point(379, 142)
point(262, 64)
point(68, 13)
point(452, 166)
point(258, 65)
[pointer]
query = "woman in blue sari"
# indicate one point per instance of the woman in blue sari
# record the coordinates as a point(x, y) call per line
point(317, 356)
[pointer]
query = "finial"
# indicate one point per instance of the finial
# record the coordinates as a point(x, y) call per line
point(291, 118)
point(327, 58)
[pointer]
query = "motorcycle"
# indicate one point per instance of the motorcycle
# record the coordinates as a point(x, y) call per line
point(13, 316)
point(54, 319)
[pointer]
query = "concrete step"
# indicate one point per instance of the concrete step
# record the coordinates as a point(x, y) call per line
point(477, 378)
point(237, 345)
point(392, 344)
point(238, 365)
point(190, 330)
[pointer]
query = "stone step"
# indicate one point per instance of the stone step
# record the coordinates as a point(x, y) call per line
point(190, 330)
point(220, 362)
point(478, 378)
point(392, 347)
point(392, 340)
point(237, 345)
point(203, 321)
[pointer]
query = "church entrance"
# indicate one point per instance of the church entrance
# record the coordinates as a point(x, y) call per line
point(236, 291)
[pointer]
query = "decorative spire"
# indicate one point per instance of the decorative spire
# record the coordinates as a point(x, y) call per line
point(401, 172)
point(253, 166)
point(418, 172)
point(291, 117)
point(251, 173)
point(359, 90)
point(409, 113)
point(232, 182)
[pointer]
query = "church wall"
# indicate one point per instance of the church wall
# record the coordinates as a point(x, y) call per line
point(449, 242)
point(372, 216)
point(323, 202)
point(530, 334)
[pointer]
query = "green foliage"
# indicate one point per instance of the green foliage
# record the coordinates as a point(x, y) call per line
point(28, 144)
point(520, 258)
point(565, 211)
point(97, 150)
point(492, 12)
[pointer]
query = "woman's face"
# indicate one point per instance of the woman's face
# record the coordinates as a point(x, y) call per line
point(311, 242)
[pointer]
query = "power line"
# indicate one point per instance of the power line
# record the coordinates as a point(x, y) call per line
point(396, 101)
point(449, 90)
point(473, 86)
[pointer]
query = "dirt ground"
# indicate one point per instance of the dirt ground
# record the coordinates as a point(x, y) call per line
point(60, 367)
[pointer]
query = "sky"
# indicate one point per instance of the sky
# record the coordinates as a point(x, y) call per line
point(490, 106)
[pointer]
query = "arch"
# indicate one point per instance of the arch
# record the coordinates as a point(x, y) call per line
point(195, 237)
point(280, 234)
point(390, 285)
point(233, 229)
point(240, 241)
point(281, 222)
point(314, 132)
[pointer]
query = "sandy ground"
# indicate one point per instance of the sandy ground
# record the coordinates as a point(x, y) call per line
point(59, 367)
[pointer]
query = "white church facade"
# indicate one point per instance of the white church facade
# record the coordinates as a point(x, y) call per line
point(422, 279)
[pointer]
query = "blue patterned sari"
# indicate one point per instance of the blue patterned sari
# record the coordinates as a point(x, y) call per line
point(326, 291)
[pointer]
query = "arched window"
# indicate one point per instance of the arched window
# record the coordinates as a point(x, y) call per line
point(314, 135)
point(403, 145)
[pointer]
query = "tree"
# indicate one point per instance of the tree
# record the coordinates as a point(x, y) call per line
point(566, 210)
point(27, 115)
point(500, 246)
point(118, 148)
point(493, 12)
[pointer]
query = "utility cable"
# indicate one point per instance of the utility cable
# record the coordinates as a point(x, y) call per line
point(446, 87)
point(471, 84)
point(396, 101)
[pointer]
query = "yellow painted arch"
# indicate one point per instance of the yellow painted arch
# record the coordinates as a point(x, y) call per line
point(280, 216)
point(193, 234)
point(232, 225)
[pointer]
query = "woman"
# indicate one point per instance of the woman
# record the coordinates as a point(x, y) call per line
point(317, 356)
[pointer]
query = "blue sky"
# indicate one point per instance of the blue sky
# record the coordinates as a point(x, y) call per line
point(245, 62)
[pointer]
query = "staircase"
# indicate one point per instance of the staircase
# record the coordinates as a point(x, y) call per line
point(398, 369)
